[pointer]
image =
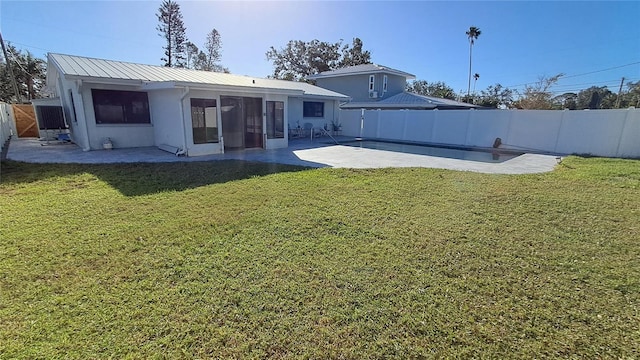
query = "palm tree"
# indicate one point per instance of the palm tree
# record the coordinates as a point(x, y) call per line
point(476, 76)
point(472, 34)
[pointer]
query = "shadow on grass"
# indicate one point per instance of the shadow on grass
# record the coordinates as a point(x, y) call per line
point(146, 178)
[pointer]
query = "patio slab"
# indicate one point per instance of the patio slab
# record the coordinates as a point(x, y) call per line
point(300, 152)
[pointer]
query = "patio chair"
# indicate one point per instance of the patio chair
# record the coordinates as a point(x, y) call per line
point(307, 127)
point(295, 133)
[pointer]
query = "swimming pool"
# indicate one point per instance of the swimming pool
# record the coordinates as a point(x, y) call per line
point(487, 156)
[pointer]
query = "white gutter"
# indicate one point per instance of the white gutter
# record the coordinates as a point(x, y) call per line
point(183, 151)
point(105, 81)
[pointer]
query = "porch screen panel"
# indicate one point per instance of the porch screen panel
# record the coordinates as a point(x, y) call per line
point(275, 119)
point(50, 117)
point(204, 121)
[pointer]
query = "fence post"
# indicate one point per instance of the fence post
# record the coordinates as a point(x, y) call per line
point(470, 117)
point(624, 126)
point(555, 147)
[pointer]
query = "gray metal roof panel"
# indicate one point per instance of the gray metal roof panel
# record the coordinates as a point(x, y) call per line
point(361, 69)
point(109, 69)
point(407, 100)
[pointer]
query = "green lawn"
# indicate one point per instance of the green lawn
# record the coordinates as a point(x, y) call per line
point(242, 260)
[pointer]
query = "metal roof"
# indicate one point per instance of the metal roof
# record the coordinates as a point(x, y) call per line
point(361, 69)
point(98, 70)
point(407, 100)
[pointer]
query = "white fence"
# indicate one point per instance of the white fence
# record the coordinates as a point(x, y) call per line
point(7, 125)
point(610, 133)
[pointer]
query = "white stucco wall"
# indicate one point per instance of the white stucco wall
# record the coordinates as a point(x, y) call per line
point(164, 106)
point(612, 133)
point(73, 109)
point(331, 113)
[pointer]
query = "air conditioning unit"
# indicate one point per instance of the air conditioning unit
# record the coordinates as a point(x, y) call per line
point(373, 95)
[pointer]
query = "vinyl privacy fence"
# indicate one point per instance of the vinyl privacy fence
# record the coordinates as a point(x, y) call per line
point(610, 133)
point(7, 126)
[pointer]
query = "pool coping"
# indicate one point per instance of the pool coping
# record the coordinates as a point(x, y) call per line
point(302, 152)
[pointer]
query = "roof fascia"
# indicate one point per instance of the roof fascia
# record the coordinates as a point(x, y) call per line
point(380, 71)
point(325, 97)
point(238, 89)
point(106, 81)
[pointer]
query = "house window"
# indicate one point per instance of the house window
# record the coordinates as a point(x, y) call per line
point(384, 83)
point(73, 106)
point(275, 119)
point(313, 109)
point(120, 107)
point(372, 82)
point(204, 121)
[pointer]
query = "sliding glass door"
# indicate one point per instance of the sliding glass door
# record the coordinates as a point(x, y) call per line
point(241, 122)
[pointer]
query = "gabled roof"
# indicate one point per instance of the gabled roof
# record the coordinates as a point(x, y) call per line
point(362, 69)
point(407, 100)
point(153, 77)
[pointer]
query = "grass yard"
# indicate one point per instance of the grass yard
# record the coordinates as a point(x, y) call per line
point(242, 260)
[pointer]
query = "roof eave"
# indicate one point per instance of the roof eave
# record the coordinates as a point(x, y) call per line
point(106, 81)
point(159, 85)
point(363, 72)
point(329, 97)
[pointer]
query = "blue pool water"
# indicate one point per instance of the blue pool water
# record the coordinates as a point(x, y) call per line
point(438, 151)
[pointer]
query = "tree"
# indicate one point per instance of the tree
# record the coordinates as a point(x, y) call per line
point(354, 55)
point(538, 96)
point(472, 34)
point(29, 71)
point(565, 101)
point(299, 59)
point(192, 52)
point(213, 52)
point(172, 29)
point(476, 76)
point(496, 96)
point(7, 93)
point(32, 73)
point(595, 98)
point(632, 96)
point(436, 89)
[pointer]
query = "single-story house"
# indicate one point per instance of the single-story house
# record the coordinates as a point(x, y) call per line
point(185, 111)
point(374, 86)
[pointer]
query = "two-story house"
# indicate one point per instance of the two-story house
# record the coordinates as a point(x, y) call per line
point(373, 86)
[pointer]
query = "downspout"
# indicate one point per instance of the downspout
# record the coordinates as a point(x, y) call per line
point(183, 151)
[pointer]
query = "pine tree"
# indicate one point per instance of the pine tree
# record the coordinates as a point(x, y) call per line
point(172, 29)
point(213, 46)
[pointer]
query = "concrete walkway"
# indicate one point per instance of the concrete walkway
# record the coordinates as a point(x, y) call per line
point(300, 152)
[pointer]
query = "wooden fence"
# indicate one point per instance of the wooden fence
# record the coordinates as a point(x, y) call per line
point(25, 118)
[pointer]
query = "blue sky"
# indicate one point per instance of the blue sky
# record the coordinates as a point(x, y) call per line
point(592, 43)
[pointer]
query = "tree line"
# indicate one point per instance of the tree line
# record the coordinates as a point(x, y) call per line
point(536, 96)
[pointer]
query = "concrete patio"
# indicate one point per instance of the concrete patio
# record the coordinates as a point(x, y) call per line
point(303, 152)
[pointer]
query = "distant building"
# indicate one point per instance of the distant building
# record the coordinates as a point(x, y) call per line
point(373, 86)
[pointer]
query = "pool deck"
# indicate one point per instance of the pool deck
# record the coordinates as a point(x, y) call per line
point(303, 152)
